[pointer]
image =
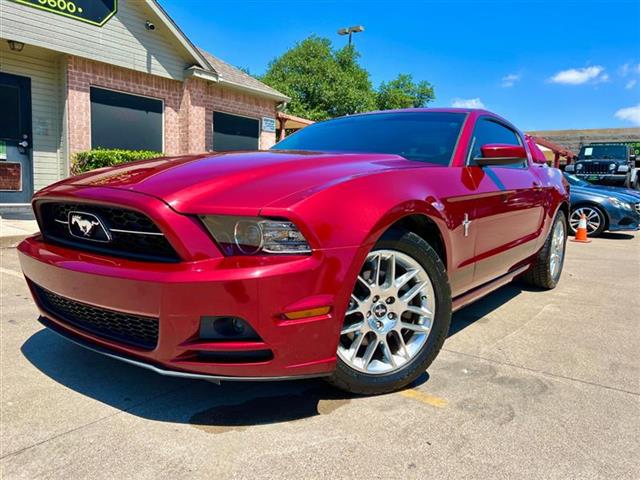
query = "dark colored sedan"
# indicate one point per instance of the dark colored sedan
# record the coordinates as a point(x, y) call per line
point(606, 208)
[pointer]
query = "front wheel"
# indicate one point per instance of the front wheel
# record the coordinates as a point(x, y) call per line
point(595, 220)
point(397, 319)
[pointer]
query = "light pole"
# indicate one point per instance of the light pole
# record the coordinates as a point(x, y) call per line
point(350, 31)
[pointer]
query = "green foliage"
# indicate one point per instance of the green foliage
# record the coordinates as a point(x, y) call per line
point(404, 93)
point(324, 82)
point(321, 81)
point(98, 158)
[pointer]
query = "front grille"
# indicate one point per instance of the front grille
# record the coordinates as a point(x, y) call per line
point(134, 330)
point(133, 234)
point(590, 168)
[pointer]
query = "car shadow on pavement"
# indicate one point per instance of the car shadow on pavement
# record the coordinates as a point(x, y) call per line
point(481, 308)
point(617, 236)
point(204, 405)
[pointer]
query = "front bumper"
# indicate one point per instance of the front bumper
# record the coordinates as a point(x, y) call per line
point(622, 220)
point(609, 178)
point(259, 290)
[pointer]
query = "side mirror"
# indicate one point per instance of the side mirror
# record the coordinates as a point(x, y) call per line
point(498, 154)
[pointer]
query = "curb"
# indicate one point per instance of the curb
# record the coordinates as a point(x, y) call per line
point(12, 241)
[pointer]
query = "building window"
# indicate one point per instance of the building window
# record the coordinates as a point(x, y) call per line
point(120, 120)
point(231, 132)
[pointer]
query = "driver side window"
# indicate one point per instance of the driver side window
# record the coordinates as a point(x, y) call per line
point(489, 131)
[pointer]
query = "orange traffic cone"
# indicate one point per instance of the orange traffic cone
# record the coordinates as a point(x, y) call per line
point(581, 233)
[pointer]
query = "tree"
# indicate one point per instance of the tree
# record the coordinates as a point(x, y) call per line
point(324, 83)
point(404, 93)
point(321, 82)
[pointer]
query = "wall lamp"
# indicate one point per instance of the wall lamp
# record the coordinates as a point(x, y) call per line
point(15, 46)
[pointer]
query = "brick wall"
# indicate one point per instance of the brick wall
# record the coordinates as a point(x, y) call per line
point(226, 100)
point(188, 105)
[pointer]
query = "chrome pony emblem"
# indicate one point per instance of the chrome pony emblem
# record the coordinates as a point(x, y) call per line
point(87, 226)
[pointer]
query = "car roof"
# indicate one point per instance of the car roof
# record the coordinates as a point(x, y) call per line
point(471, 112)
point(431, 110)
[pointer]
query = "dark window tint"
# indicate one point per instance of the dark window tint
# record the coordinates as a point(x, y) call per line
point(119, 120)
point(231, 132)
point(422, 136)
point(487, 132)
point(607, 152)
point(10, 116)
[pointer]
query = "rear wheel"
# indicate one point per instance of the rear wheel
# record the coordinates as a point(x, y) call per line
point(596, 220)
point(397, 319)
point(545, 271)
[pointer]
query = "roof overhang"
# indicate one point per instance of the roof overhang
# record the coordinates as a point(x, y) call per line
point(291, 122)
point(212, 76)
point(201, 61)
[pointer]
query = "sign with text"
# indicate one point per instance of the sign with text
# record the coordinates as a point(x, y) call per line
point(268, 124)
point(95, 12)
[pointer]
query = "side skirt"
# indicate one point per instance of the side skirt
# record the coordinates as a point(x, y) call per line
point(479, 292)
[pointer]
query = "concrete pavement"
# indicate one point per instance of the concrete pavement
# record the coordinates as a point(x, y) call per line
point(15, 224)
point(536, 385)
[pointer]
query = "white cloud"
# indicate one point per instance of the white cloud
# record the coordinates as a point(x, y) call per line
point(629, 68)
point(578, 76)
point(630, 114)
point(624, 69)
point(510, 80)
point(630, 84)
point(467, 103)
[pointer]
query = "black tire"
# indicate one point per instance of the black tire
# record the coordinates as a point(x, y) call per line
point(540, 275)
point(353, 381)
point(602, 219)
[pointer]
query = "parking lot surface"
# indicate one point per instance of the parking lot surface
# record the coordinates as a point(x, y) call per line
point(530, 384)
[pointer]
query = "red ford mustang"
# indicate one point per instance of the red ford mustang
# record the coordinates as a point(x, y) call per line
point(341, 252)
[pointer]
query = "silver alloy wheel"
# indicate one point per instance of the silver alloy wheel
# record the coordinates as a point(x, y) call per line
point(390, 314)
point(593, 219)
point(557, 249)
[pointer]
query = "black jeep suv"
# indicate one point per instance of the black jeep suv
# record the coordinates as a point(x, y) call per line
point(609, 163)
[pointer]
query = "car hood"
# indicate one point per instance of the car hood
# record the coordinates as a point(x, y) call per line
point(598, 191)
point(613, 191)
point(239, 182)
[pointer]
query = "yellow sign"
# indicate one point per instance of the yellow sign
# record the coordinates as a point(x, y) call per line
point(95, 12)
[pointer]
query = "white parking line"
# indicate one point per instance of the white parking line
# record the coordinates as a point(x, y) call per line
point(13, 273)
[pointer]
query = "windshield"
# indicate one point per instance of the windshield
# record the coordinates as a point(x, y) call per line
point(573, 180)
point(422, 136)
point(609, 152)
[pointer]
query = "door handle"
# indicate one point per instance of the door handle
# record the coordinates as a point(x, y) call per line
point(23, 144)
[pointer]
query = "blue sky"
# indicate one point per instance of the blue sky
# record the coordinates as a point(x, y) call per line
point(543, 65)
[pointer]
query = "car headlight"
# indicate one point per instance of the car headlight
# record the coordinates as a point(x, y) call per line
point(569, 168)
point(612, 167)
point(619, 204)
point(579, 166)
point(255, 235)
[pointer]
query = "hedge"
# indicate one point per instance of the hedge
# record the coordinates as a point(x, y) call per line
point(102, 157)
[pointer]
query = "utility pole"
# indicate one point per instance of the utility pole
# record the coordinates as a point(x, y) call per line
point(350, 31)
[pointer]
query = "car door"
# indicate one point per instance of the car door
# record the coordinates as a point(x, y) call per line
point(509, 206)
